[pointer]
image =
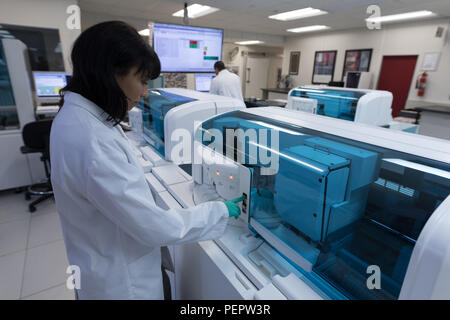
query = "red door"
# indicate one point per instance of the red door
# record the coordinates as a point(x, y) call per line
point(396, 76)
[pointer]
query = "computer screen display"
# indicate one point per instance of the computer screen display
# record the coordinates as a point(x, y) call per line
point(353, 79)
point(203, 82)
point(187, 49)
point(48, 84)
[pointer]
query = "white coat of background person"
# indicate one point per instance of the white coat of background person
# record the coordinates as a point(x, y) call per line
point(226, 83)
point(112, 228)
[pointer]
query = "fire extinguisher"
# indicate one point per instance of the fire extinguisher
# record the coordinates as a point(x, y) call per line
point(421, 84)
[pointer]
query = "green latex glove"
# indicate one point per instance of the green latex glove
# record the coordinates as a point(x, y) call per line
point(233, 208)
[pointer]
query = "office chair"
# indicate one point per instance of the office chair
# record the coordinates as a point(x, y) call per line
point(36, 138)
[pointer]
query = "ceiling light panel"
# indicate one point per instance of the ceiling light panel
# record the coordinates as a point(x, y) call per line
point(249, 42)
point(402, 16)
point(195, 11)
point(308, 29)
point(298, 14)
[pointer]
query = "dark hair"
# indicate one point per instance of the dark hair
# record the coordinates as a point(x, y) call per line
point(103, 51)
point(219, 65)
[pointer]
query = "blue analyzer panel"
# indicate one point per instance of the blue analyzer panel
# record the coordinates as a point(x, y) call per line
point(319, 179)
point(340, 104)
point(155, 108)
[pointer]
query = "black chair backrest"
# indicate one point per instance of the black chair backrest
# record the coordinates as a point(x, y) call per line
point(36, 135)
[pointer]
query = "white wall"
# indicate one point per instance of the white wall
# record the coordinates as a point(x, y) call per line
point(238, 60)
point(274, 53)
point(44, 14)
point(271, 40)
point(396, 39)
point(276, 62)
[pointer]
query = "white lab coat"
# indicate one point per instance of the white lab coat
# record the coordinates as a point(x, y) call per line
point(112, 228)
point(227, 84)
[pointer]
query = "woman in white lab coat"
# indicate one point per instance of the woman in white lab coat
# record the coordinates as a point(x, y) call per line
point(113, 231)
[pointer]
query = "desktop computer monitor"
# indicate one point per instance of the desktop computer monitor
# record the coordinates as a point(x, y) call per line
point(203, 81)
point(360, 80)
point(353, 79)
point(48, 84)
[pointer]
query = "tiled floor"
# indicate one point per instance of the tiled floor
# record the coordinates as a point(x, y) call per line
point(33, 258)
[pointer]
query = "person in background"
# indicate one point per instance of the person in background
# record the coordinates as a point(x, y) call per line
point(112, 228)
point(226, 83)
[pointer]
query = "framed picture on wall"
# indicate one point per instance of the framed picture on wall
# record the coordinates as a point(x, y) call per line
point(294, 62)
point(357, 60)
point(324, 62)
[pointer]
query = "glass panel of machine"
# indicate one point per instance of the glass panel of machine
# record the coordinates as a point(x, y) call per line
point(154, 109)
point(8, 111)
point(341, 204)
point(334, 103)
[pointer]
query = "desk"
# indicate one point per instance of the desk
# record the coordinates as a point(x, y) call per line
point(281, 93)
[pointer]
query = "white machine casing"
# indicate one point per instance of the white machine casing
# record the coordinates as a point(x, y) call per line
point(186, 115)
point(135, 120)
point(374, 107)
point(229, 179)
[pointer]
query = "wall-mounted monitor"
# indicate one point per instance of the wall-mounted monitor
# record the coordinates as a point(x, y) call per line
point(187, 49)
point(203, 81)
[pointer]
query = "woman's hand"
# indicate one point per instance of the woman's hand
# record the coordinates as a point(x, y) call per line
point(233, 208)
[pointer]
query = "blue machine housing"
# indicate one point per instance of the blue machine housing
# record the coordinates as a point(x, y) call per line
point(321, 169)
point(315, 175)
point(334, 103)
point(339, 204)
point(154, 109)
